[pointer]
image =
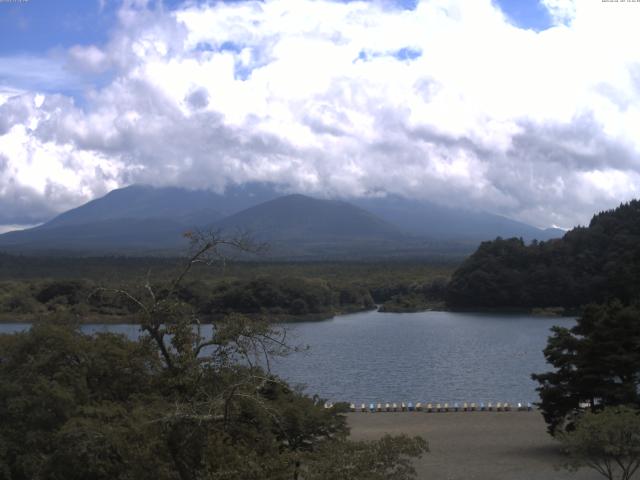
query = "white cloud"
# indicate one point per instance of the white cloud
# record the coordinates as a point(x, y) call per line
point(14, 227)
point(89, 59)
point(542, 126)
point(561, 11)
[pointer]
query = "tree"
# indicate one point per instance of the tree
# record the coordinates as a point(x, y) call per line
point(597, 363)
point(172, 405)
point(607, 441)
point(588, 264)
point(386, 459)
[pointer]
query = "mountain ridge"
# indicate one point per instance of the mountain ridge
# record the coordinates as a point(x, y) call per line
point(438, 221)
point(145, 218)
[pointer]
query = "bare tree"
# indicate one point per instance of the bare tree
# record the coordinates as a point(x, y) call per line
point(175, 328)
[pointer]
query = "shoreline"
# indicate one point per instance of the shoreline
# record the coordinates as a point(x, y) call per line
point(130, 319)
point(7, 318)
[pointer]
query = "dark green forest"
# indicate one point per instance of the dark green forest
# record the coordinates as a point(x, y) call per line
point(589, 264)
point(35, 287)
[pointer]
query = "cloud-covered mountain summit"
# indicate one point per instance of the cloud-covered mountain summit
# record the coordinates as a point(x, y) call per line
point(148, 220)
point(447, 101)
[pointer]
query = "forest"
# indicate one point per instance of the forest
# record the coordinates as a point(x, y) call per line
point(32, 287)
point(589, 264)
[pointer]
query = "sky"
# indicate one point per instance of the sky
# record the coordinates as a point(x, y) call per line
point(525, 108)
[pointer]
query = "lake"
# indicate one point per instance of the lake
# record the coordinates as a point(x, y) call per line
point(426, 356)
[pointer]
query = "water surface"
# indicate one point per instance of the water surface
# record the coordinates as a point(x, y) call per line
point(427, 356)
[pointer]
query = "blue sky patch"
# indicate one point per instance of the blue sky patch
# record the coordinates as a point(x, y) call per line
point(407, 4)
point(530, 14)
point(407, 53)
point(240, 72)
point(403, 4)
point(231, 47)
point(362, 56)
point(38, 26)
point(204, 47)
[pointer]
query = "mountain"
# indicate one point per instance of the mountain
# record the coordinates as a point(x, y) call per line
point(435, 221)
point(298, 217)
point(297, 226)
point(148, 220)
point(138, 219)
point(113, 236)
point(589, 264)
point(141, 219)
point(189, 207)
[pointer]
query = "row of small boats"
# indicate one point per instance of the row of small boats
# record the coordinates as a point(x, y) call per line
point(438, 407)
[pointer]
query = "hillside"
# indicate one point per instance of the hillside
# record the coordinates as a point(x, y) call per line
point(589, 264)
point(180, 205)
point(143, 202)
point(297, 226)
point(139, 219)
point(301, 218)
point(423, 218)
point(143, 220)
point(115, 236)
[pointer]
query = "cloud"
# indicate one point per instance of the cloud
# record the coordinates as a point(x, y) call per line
point(18, 226)
point(447, 102)
point(562, 11)
point(89, 59)
point(20, 205)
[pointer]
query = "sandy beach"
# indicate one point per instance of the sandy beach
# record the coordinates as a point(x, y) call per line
point(475, 445)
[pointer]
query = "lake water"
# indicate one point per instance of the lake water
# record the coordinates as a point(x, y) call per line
point(427, 356)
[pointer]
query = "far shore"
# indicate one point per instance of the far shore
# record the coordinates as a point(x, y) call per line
point(475, 445)
point(95, 318)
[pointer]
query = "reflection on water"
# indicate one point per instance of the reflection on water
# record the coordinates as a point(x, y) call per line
point(428, 356)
